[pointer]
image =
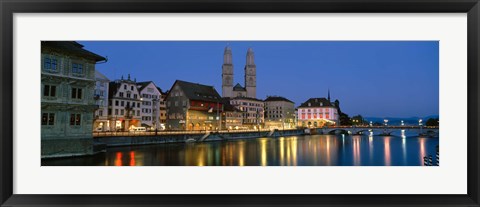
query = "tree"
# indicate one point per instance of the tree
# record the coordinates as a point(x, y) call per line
point(432, 122)
point(345, 119)
point(358, 120)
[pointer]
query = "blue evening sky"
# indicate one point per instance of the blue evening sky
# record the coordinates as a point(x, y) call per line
point(371, 78)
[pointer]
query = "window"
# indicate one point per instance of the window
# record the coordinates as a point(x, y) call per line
point(122, 103)
point(176, 103)
point(49, 90)
point(109, 112)
point(125, 87)
point(116, 103)
point(135, 96)
point(128, 94)
point(75, 119)
point(50, 64)
point(138, 113)
point(121, 112)
point(131, 88)
point(100, 113)
point(116, 111)
point(121, 94)
point(48, 118)
point(76, 93)
point(184, 103)
point(77, 69)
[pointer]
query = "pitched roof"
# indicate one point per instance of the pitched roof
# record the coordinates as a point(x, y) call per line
point(100, 76)
point(196, 91)
point(317, 102)
point(277, 98)
point(239, 87)
point(72, 47)
point(143, 84)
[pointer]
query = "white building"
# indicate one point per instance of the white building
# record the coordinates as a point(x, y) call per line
point(150, 95)
point(124, 105)
point(318, 112)
point(101, 100)
point(252, 111)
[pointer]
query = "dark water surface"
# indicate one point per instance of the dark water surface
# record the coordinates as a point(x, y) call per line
point(312, 150)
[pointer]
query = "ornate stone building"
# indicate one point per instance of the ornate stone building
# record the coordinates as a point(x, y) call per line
point(250, 89)
point(67, 98)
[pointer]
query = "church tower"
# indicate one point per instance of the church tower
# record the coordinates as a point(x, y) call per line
point(251, 75)
point(227, 73)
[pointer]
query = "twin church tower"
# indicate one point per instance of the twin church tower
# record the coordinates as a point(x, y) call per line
point(250, 89)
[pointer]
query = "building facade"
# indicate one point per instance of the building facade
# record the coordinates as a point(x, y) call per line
point(124, 105)
point(250, 77)
point(101, 100)
point(163, 110)
point(318, 112)
point(232, 118)
point(279, 113)
point(67, 98)
point(193, 106)
point(252, 111)
point(150, 96)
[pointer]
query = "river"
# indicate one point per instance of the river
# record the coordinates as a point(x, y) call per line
point(310, 150)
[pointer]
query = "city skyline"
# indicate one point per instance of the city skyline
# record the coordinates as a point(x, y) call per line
point(374, 79)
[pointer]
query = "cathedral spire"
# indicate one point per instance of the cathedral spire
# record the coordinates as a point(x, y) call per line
point(250, 57)
point(227, 55)
point(329, 94)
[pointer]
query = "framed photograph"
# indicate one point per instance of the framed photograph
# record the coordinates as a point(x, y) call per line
point(200, 103)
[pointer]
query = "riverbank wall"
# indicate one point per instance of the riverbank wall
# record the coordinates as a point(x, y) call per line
point(183, 138)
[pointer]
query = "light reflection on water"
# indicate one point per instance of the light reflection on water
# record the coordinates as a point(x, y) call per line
point(313, 150)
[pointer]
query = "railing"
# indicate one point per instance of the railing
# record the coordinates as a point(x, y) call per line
point(153, 133)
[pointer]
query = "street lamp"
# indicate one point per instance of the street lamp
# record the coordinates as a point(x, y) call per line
point(402, 123)
point(386, 122)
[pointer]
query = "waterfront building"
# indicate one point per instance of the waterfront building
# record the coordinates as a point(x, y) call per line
point(193, 106)
point(279, 113)
point(250, 77)
point(163, 109)
point(318, 112)
point(232, 118)
point(124, 105)
point(253, 111)
point(101, 100)
point(67, 98)
point(150, 96)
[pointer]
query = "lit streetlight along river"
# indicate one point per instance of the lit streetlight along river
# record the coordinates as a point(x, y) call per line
point(310, 150)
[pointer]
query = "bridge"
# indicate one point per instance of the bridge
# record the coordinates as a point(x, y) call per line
point(377, 130)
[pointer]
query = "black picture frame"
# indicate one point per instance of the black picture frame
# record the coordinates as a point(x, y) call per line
point(10, 7)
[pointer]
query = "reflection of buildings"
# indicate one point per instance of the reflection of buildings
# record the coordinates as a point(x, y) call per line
point(192, 106)
point(279, 113)
point(101, 100)
point(124, 105)
point(252, 111)
point(150, 95)
point(318, 112)
point(67, 100)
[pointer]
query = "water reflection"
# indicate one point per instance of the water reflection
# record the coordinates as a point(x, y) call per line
point(314, 150)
